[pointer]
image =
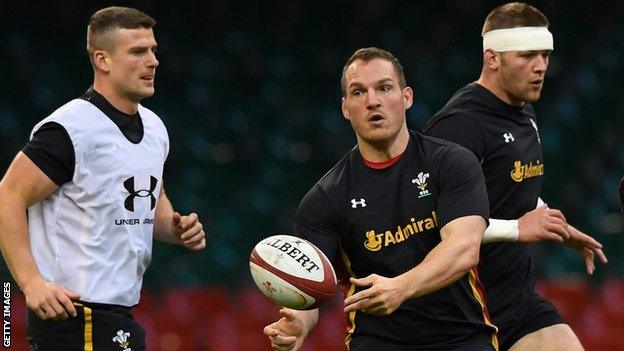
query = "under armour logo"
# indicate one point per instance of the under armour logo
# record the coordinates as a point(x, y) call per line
point(508, 138)
point(354, 203)
point(129, 185)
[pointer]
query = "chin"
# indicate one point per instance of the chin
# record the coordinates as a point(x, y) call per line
point(532, 98)
point(529, 96)
point(145, 93)
point(378, 136)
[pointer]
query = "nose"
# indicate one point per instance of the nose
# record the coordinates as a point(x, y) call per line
point(542, 64)
point(372, 100)
point(153, 61)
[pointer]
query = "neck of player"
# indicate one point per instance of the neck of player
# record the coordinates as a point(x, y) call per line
point(489, 83)
point(118, 100)
point(381, 151)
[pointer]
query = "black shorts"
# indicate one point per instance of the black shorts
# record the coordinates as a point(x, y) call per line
point(368, 343)
point(538, 314)
point(96, 327)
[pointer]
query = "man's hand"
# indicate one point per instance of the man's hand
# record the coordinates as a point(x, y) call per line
point(542, 223)
point(383, 296)
point(189, 230)
point(288, 333)
point(49, 300)
point(587, 246)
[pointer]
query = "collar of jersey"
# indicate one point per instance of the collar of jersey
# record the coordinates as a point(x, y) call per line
point(518, 111)
point(131, 126)
point(383, 164)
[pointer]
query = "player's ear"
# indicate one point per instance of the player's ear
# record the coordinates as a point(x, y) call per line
point(491, 59)
point(101, 60)
point(343, 107)
point(408, 97)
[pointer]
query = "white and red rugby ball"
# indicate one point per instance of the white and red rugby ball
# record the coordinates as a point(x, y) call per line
point(292, 272)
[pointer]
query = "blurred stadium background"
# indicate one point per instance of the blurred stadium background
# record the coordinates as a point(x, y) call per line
point(250, 93)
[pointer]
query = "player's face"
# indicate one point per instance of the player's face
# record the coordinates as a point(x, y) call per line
point(133, 63)
point(374, 102)
point(521, 74)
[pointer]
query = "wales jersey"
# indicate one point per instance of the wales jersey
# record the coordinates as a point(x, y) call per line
point(506, 140)
point(385, 221)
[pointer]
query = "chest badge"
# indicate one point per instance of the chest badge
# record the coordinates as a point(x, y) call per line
point(421, 183)
point(355, 203)
point(509, 138)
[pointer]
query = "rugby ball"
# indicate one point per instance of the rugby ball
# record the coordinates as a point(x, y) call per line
point(292, 272)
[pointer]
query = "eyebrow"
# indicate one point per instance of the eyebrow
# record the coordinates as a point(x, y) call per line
point(381, 81)
point(534, 51)
point(143, 47)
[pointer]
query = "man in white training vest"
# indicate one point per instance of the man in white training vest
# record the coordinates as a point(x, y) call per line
point(91, 178)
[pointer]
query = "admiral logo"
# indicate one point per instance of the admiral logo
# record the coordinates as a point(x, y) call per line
point(375, 241)
point(421, 182)
point(521, 171)
point(295, 253)
point(129, 185)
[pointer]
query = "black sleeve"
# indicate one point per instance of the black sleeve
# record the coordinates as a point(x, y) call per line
point(52, 151)
point(314, 222)
point(461, 186)
point(461, 129)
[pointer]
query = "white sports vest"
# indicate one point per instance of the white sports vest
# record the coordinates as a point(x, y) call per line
point(94, 234)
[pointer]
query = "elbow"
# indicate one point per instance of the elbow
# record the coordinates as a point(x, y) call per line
point(469, 257)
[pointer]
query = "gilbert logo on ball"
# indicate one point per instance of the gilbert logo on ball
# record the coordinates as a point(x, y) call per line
point(292, 272)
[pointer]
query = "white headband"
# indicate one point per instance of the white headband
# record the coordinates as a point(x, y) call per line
point(518, 39)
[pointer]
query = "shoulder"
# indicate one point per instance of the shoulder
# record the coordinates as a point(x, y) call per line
point(332, 185)
point(431, 147)
point(71, 111)
point(151, 119)
point(461, 110)
point(70, 116)
point(339, 173)
point(442, 152)
point(150, 116)
point(148, 113)
point(455, 152)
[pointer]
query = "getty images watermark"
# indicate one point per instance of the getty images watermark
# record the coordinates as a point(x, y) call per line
point(6, 314)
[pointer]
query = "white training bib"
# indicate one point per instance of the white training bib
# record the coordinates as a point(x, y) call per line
point(94, 234)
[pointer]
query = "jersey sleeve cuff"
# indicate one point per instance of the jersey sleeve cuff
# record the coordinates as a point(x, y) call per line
point(48, 169)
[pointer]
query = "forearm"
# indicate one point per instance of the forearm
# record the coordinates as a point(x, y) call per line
point(14, 241)
point(163, 221)
point(445, 264)
point(505, 229)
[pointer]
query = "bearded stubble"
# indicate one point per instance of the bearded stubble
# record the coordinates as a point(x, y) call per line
point(512, 83)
